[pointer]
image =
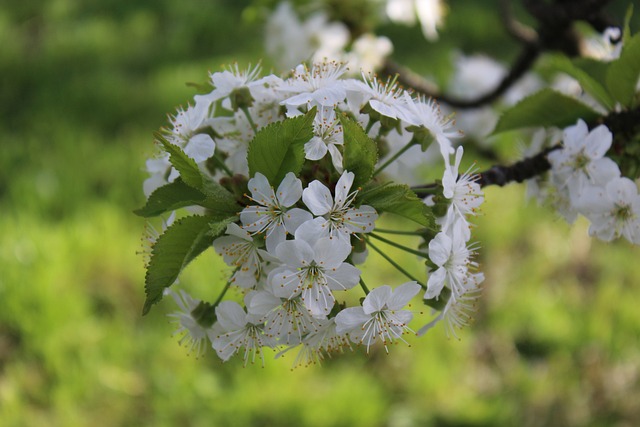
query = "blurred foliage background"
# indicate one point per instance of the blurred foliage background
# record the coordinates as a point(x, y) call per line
point(82, 87)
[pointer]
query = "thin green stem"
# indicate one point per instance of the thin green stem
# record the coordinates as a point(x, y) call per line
point(395, 264)
point(364, 287)
point(222, 166)
point(245, 110)
point(399, 246)
point(394, 157)
point(427, 189)
point(226, 288)
point(404, 233)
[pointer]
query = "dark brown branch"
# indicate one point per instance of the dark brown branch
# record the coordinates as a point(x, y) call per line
point(518, 172)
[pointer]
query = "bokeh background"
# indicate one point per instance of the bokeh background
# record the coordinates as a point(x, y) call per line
point(83, 84)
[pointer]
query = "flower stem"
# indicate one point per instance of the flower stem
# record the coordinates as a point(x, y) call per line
point(364, 287)
point(221, 165)
point(226, 288)
point(245, 110)
point(405, 233)
point(394, 157)
point(399, 246)
point(395, 264)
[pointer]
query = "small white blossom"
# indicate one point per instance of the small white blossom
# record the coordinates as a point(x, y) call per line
point(319, 85)
point(236, 329)
point(381, 316)
point(327, 137)
point(313, 269)
point(238, 249)
point(337, 217)
point(454, 260)
point(614, 210)
point(273, 214)
point(194, 335)
point(581, 162)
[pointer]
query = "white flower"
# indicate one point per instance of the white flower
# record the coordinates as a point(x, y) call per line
point(430, 13)
point(427, 114)
point(273, 214)
point(464, 192)
point(459, 311)
point(337, 217)
point(454, 260)
point(369, 52)
point(313, 269)
point(319, 344)
point(289, 40)
point(235, 329)
point(286, 318)
point(581, 160)
point(386, 99)
point(320, 85)
point(194, 335)
point(240, 250)
point(327, 136)
point(381, 316)
point(602, 46)
point(614, 210)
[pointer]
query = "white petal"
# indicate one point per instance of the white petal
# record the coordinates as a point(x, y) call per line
point(318, 198)
point(350, 319)
point(342, 278)
point(440, 249)
point(402, 295)
point(315, 149)
point(330, 253)
point(318, 299)
point(343, 186)
point(231, 316)
point(200, 147)
point(261, 190)
point(295, 253)
point(377, 299)
point(289, 190)
point(294, 218)
point(435, 283)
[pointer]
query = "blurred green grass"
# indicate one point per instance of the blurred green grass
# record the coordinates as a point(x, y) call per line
point(82, 87)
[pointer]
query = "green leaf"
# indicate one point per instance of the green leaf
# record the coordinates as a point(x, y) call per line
point(180, 244)
point(597, 70)
point(360, 152)
point(185, 165)
point(170, 197)
point(588, 83)
point(623, 73)
point(219, 202)
point(278, 148)
point(400, 200)
point(544, 108)
point(626, 30)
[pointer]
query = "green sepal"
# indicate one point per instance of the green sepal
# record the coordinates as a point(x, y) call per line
point(360, 152)
point(180, 244)
point(398, 199)
point(544, 108)
point(278, 148)
point(441, 302)
point(185, 165)
point(623, 73)
point(204, 314)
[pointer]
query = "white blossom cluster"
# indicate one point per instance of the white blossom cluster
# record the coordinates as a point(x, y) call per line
point(295, 245)
point(584, 181)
